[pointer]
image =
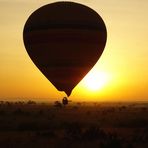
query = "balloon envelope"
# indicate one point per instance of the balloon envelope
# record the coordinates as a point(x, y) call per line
point(64, 40)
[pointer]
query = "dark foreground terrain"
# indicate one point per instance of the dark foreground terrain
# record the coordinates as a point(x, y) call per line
point(77, 125)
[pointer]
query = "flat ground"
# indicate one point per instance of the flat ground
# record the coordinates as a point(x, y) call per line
point(77, 125)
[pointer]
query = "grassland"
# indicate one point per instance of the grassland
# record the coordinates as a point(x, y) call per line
point(77, 125)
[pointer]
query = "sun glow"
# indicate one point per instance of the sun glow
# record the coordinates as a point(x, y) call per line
point(96, 80)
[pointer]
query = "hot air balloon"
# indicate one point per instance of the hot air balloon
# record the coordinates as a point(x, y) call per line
point(64, 40)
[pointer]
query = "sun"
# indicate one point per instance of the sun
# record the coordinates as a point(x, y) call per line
point(96, 80)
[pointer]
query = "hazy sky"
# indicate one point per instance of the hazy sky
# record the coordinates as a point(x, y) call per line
point(124, 62)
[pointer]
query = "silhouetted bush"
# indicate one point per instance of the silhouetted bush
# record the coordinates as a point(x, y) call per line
point(73, 131)
point(40, 112)
point(111, 142)
point(57, 104)
point(144, 109)
point(93, 133)
point(31, 102)
point(20, 112)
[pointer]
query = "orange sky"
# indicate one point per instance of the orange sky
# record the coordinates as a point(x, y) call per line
point(123, 63)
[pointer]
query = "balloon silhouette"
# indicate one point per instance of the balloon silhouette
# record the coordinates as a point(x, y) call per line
point(64, 40)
